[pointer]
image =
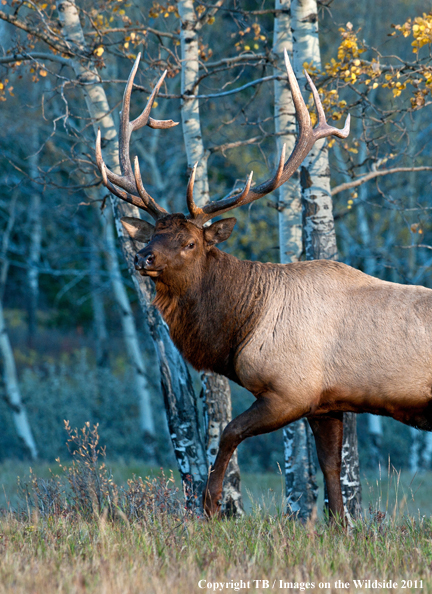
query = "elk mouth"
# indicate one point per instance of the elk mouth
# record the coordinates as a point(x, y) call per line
point(153, 272)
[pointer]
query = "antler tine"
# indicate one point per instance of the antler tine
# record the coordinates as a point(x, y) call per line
point(116, 191)
point(127, 185)
point(127, 127)
point(118, 180)
point(145, 120)
point(150, 204)
point(306, 139)
point(323, 129)
point(195, 211)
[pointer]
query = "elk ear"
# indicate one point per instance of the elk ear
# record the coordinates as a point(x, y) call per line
point(219, 231)
point(138, 229)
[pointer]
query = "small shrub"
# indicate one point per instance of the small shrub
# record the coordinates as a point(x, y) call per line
point(85, 488)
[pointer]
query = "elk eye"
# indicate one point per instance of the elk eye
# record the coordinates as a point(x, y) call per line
point(190, 246)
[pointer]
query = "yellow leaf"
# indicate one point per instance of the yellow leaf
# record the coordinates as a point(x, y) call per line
point(375, 85)
point(43, 72)
point(1, 86)
point(99, 51)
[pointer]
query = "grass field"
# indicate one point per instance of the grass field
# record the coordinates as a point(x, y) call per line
point(166, 551)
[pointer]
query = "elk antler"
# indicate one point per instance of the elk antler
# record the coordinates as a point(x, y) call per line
point(127, 185)
point(306, 139)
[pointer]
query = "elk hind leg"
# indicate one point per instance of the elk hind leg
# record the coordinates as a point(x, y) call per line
point(328, 433)
point(268, 413)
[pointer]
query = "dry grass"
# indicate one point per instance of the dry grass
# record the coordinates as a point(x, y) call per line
point(99, 532)
point(171, 554)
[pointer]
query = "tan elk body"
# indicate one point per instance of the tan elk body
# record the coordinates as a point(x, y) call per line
point(310, 339)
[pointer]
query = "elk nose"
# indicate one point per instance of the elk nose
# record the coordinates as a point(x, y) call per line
point(141, 262)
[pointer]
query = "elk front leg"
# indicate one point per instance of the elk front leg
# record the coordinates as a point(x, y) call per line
point(268, 413)
point(328, 433)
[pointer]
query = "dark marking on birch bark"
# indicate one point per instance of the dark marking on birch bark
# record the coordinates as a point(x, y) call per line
point(305, 178)
point(300, 481)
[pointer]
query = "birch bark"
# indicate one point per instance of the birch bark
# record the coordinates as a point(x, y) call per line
point(300, 483)
point(179, 396)
point(216, 390)
point(13, 394)
point(318, 222)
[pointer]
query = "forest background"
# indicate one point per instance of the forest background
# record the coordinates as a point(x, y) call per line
point(66, 316)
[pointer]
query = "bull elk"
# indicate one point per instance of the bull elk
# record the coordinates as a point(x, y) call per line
point(309, 339)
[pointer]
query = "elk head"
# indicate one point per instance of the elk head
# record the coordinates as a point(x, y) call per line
point(178, 242)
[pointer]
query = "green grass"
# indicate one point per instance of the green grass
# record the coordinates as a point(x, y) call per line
point(161, 553)
point(392, 492)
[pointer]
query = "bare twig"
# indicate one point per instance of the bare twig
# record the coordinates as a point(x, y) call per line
point(372, 175)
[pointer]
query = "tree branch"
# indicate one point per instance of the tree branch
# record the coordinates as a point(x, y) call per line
point(141, 29)
point(34, 56)
point(56, 44)
point(372, 175)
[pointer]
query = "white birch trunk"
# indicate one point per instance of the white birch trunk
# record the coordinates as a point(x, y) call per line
point(216, 390)
point(318, 222)
point(300, 484)
point(131, 340)
point(190, 107)
point(179, 396)
point(13, 394)
point(35, 237)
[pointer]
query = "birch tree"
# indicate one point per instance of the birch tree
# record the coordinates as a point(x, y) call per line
point(10, 377)
point(12, 391)
point(35, 234)
point(318, 222)
point(179, 396)
point(300, 483)
point(131, 340)
point(216, 390)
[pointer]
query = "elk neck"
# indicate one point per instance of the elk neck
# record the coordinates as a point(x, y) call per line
point(217, 312)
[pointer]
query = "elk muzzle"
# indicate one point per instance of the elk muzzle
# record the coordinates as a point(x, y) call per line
point(145, 263)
